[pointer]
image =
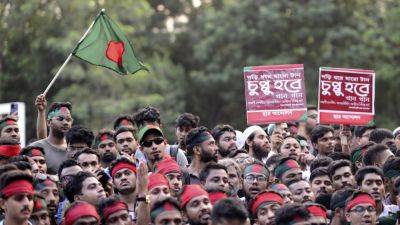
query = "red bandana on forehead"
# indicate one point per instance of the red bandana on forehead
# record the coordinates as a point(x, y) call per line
point(11, 122)
point(317, 211)
point(63, 110)
point(17, 187)
point(191, 191)
point(80, 210)
point(104, 137)
point(156, 180)
point(264, 197)
point(118, 206)
point(123, 165)
point(36, 152)
point(216, 196)
point(360, 199)
point(124, 122)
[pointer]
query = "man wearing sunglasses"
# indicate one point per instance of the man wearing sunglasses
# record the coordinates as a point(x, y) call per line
point(361, 209)
point(152, 144)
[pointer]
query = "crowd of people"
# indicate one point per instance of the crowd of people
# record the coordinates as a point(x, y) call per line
point(300, 173)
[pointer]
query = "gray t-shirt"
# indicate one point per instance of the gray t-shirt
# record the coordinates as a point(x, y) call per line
point(54, 156)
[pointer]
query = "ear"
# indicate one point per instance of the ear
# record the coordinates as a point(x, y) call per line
point(347, 215)
point(48, 122)
point(2, 202)
point(249, 143)
point(359, 164)
point(77, 198)
point(196, 150)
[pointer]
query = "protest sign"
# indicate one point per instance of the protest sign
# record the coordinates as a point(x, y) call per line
point(346, 96)
point(274, 93)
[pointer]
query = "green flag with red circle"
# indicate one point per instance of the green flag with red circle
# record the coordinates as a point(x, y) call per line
point(107, 46)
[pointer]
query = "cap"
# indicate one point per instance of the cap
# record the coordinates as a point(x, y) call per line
point(142, 132)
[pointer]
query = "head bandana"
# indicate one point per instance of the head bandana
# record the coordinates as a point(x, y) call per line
point(279, 187)
point(42, 184)
point(358, 154)
point(285, 166)
point(122, 165)
point(39, 205)
point(360, 199)
point(167, 207)
point(255, 168)
point(17, 187)
point(156, 180)
point(57, 112)
point(317, 211)
point(216, 196)
point(103, 137)
point(204, 136)
point(168, 165)
point(78, 211)
point(35, 152)
point(9, 151)
point(118, 206)
point(7, 121)
point(191, 191)
point(265, 197)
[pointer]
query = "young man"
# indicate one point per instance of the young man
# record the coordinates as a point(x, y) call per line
point(361, 209)
point(264, 206)
point(158, 187)
point(88, 160)
point(214, 177)
point(370, 179)
point(125, 139)
point(78, 138)
point(166, 211)
point(284, 191)
point(196, 205)
point(301, 191)
point(235, 177)
point(255, 180)
point(114, 212)
point(152, 145)
point(9, 128)
point(171, 170)
point(229, 211)
point(362, 133)
point(377, 155)
point(40, 214)
point(323, 140)
point(288, 170)
point(59, 120)
point(16, 197)
point(105, 145)
point(124, 121)
point(385, 137)
point(183, 124)
point(257, 143)
point(201, 147)
point(320, 181)
point(225, 138)
point(318, 214)
point(292, 214)
point(37, 155)
point(341, 174)
point(337, 205)
point(48, 190)
point(81, 213)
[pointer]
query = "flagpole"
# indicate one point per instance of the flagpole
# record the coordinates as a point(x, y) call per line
point(69, 56)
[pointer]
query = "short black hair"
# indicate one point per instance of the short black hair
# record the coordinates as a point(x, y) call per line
point(66, 164)
point(229, 209)
point(118, 120)
point(207, 170)
point(7, 167)
point(320, 162)
point(379, 134)
point(319, 131)
point(104, 203)
point(87, 151)
point(187, 120)
point(19, 158)
point(76, 184)
point(319, 172)
point(392, 164)
point(287, 213)
point(119, 160)
point(79, 134)
point(220, 129)
point(360, 175)
point(324, 199)
point(360, 130)
point(339, 197)
point(58, 105)
point(273, 160)
point(372, 152)
point(161, 203)
point(26, 150)
point(11, 176)
point(339, 155)
point(336, 165)
point(147, 114)
point(122, 130)
point(102, 132)
point(192, 136)
point(22, 165)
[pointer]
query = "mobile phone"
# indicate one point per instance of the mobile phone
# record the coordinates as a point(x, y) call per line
point(14, 109)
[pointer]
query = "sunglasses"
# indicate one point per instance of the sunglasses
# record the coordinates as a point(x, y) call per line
point(149, 143)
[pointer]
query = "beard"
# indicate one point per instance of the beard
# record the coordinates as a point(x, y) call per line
point(126, 190)
point(206, 157)
point(224, 152)
point(259, 152)
point(108, 157)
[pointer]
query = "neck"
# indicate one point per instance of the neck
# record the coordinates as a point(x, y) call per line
point(56, 139)
point(379, 207)
point(196, 166)
point(8, 221)
point(129, 199)
point(105, 165)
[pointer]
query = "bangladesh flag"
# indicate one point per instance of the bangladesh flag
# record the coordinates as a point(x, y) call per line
point(106, 45)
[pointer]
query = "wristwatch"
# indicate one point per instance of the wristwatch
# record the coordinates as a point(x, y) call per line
point(145, 199)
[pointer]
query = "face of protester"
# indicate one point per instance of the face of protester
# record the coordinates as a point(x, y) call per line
point(169, 218)
point(120, 217)
point(40, 218)
point(155, 152)
point(92, 191)
point(325, 144)
point(292, 174)
point(235, 183)
point(373, 184)
point(208, 151)
point(88, 220)
point(159, 193)
point(125, 181)
point(254, 183)
point(18, 207)
point(362, 214)
point(317, 220)
point(343, 177)
point(364, 139)
point(107, 150)
point(301, 192)
point(242, 159)
point(68, 173)
point(266, 213)
point(40, 161)
point(62, 122)
point(287, 195)
point(126, 143)
point(321, 185)
point(227, 143)
point(261, 144)
point(181, 132)
point(51, 194)
point(175, 182)
point(89, 163)
point(73, 148)
point(11, 132)
point(198, 210)
point(217, 180)
point(390, 143)
point(291, 148)
point(382, 157)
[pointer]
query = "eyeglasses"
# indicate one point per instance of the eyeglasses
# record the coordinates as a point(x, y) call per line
point(149, 143)
point(251, 178)
point(360, 210)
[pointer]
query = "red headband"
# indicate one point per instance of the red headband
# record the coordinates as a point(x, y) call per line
point(264, 197)
point(359, 199)
point(167, 166)
point(11, 122)
point(123, 165)
point(191, 191)
point(10, 150)
point(125, 122)
point(316, 210)
point(80, 210)
point(157, 179)
point(36, 152)
point(17, 187)
point(118, 206)
point(216, 196)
